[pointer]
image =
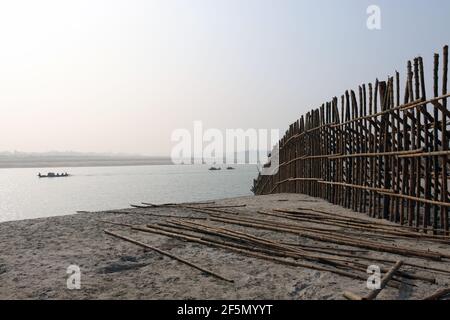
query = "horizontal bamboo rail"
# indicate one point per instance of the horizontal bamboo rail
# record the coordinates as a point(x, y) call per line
point(382, 150)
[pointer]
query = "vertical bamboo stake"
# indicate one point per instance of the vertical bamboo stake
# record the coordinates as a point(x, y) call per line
point(425, 182)
point(419, 143)
point(355, 142)
point(371, 150)
point(444, 189)
point(365, 167)
point(385, 148)
point(398, 148)
point(406, 146)
point(376, 145)
point(341, 162)
point(412, 176)
point(435, 144)
point(381, 148)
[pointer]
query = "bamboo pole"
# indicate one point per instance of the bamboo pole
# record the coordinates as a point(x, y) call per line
point(351, 296)
point(240, 249)
point(438, 294)
point(209, 210)
point(333, 251)
point(167, 254)
point(404, 153)
point(348, 218)
point(374, 225)
point(225, 206)
point(178, 204)
point(366, 228)
point(155, 215)
point(240, 236)
point(254, 254)
point(355, 242)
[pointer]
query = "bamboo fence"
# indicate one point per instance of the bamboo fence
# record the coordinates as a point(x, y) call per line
point(382, 150)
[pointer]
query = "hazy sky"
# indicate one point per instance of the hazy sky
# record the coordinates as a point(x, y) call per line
point(121, 75)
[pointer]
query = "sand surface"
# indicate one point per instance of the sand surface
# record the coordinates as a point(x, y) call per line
point(35, 255)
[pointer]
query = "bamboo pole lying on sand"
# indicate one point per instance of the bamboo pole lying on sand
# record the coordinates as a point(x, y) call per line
point(363, 227)
point(170, 227)
point(140, 207)
point(438, 294)
point(286, 251)
point(317, 230)
point(177, 204)
point(209, 211)
point(274, 248)
point(346, 218)
point(117, 223)
point(198, 203)
point(351, 296)
point(175, 216)
point(289, 227)
point(156, 215)
point(167, 254)
point(351, 275)
point(161, 231)
point(323, 215)
point(334, 258)
point(315, 248)
point(338, 216)
point(152, 205)
point(319, 249)
point(356, 242)
point(351, 254)
point(224, 206)
point(221, 244)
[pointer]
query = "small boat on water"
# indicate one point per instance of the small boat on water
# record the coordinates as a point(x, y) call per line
point(230, 168)
point(53, 175)
point(214, 169)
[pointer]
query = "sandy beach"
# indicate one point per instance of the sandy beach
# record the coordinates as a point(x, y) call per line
point(35, 255)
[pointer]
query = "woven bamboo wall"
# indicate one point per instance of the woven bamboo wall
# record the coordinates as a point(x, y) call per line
point(382, 150)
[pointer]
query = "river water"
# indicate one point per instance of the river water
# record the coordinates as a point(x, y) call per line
point(24, 196)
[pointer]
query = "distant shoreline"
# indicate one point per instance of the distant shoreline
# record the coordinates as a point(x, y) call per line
point(15, 163)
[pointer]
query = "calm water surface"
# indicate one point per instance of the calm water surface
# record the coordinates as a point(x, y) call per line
point(24, 196)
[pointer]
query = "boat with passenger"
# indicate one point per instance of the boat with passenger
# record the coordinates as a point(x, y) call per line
point(53, 175)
